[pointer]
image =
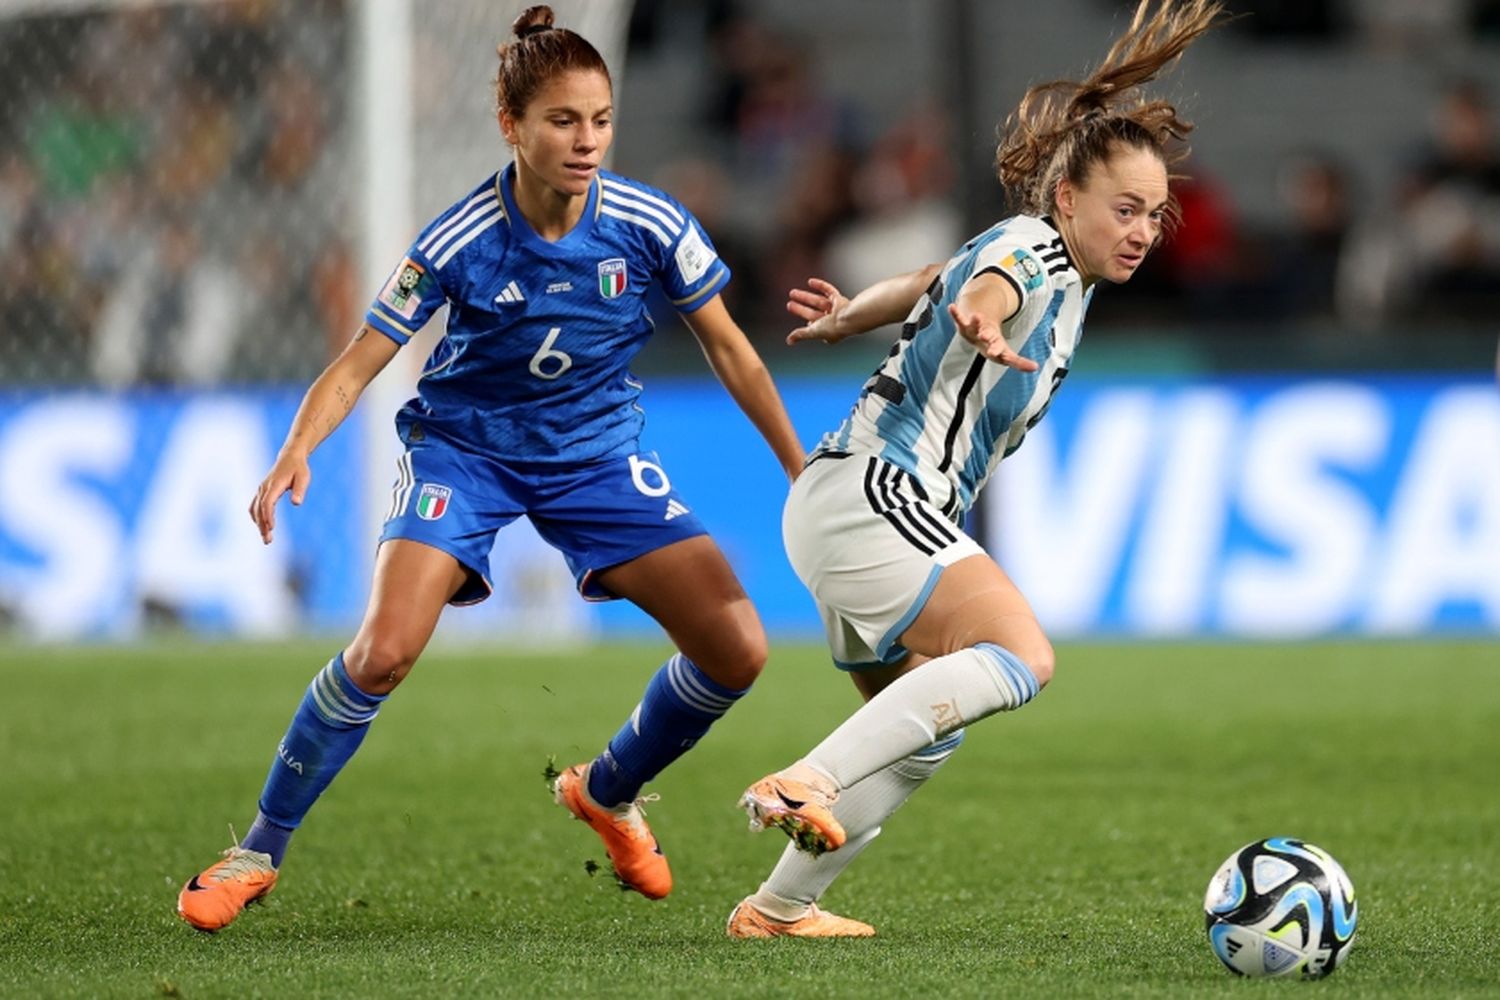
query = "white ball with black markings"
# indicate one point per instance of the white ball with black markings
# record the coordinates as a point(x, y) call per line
point(1281, 907)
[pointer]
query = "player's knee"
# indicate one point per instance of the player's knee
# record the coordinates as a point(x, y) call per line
point(737, 656)
point(1039, 659)
point(376, 665)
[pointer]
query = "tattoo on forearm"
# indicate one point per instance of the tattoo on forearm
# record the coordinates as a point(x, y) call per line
point(344, 399)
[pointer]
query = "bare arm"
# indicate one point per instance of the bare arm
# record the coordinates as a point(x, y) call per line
point(831, 317)
point(744, 374)
point(985, 302)
point(327, 402)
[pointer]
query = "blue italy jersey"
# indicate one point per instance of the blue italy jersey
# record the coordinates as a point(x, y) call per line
point(534, 364)
point(937, 408)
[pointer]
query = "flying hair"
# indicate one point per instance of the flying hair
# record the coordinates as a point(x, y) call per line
point(536, 52)
point(1061, 129)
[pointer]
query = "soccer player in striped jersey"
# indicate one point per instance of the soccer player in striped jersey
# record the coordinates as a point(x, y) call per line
point(527, 407)
point(933, 632)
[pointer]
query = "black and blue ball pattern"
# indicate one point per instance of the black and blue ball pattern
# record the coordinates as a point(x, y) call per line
point(1281, 907)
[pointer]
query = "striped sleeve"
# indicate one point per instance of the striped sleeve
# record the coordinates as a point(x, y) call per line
point(688, 267)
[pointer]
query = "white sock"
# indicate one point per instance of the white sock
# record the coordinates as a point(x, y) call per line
point(799, 879)
point(922, 706)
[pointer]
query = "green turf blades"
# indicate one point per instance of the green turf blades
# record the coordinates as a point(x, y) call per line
point(1062, 852)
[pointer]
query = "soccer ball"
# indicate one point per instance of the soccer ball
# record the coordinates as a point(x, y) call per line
point(1281, 907)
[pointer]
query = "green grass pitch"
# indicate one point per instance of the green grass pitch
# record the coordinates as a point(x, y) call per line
point(1063, 852)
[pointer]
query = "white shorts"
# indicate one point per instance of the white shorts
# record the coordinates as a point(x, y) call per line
point(863, 538)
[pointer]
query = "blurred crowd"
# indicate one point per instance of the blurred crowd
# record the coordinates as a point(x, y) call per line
point(795, 183)
point(174, 210)
point(170, 205)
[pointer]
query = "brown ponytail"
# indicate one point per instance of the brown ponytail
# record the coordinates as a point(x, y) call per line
point(537, 53)
point(1064, 127)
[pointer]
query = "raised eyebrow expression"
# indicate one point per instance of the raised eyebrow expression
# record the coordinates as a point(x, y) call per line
point(1141, 202)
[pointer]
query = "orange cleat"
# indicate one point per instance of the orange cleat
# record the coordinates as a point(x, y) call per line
point(213, 898)
point(798, 809)
point(632, 848)
point(747, 921)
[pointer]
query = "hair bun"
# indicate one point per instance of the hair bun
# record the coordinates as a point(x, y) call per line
point(533, 20)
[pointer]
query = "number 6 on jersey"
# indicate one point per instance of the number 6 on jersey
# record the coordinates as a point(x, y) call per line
point(545, 352)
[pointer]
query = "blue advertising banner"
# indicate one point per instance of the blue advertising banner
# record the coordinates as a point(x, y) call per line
point(1244, 507)
point(118, 511)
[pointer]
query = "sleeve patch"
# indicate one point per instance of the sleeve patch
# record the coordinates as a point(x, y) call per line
point(1026, 269)
point(402, 293)
point(694, 257)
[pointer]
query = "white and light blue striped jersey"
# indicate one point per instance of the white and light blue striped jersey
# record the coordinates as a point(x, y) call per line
point(937, 408)
point(534, 365)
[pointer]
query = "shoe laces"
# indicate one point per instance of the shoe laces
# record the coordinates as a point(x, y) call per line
point(238, 861)
point(633, 814)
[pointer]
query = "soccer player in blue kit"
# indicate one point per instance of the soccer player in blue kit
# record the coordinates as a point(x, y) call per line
point(527, 407)
point(932, 631)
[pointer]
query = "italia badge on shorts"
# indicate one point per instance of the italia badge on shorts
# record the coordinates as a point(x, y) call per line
point(432, 502)
point(612, 278)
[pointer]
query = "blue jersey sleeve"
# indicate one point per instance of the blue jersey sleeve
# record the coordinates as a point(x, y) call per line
point(690, 271)
point(407, 300)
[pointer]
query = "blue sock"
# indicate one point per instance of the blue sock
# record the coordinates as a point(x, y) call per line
point(329, 726)
point(679, 705)
point(268, 838)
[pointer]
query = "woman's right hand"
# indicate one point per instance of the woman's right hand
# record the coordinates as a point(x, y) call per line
point(291, 472)
point(821, 306)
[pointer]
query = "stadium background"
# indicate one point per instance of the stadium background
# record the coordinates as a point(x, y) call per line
point(1287, 425)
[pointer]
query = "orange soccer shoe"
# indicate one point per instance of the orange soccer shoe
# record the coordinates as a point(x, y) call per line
point(747, 921)
point(632, 848)
point(214, 897)
point(797, 808)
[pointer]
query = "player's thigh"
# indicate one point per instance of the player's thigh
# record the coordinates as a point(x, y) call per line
point(975, 601)
point(413, 582)
point(690, 589)
point(456, 503)
point(871, 549)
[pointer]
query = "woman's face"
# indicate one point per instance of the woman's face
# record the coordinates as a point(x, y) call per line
point(565, 130)
point(1114, 219)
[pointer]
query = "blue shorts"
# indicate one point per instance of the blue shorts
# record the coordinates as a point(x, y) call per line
point(598, 515)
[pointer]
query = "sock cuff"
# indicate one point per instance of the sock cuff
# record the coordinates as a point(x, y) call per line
point(942, 749)
point(338, 700)
point(697, 690)
point(1010, 672)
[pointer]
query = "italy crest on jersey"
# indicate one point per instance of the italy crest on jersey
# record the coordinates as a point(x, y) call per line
point(612, 277)
point(432, 502)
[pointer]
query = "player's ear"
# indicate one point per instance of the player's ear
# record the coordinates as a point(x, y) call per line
point(1066, 197)
point(507, 126)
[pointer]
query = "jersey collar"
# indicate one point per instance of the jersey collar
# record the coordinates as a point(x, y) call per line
point(522, 229)
point(1052, 224)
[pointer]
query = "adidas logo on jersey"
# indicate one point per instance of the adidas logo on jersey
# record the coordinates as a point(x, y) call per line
point(675, 509)
point(510, 293)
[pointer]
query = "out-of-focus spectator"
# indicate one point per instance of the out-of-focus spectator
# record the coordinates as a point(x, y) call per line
point(157, 145)
point(903, 216)
point(1438, 255)
point(1303, 262)
point(1198, 264)
point(174, 316)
